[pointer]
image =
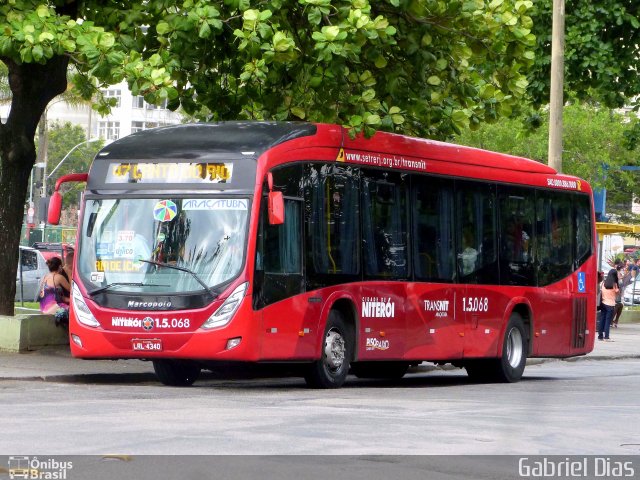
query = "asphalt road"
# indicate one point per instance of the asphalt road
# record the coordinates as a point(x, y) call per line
point(587, 407)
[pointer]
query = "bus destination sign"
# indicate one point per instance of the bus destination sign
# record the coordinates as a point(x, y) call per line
point(169, 173)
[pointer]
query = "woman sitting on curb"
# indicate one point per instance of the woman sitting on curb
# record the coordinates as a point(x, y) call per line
point(54, 292)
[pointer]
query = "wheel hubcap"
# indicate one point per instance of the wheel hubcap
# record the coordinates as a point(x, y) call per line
point(334, 350)
point(514, 347)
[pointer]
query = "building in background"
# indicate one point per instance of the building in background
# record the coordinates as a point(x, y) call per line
point(131, 114)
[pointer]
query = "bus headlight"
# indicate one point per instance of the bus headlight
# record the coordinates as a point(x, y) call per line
point(225, 312)
point(83, 314)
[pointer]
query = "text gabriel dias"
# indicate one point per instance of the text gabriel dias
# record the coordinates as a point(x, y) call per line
point(583, 467)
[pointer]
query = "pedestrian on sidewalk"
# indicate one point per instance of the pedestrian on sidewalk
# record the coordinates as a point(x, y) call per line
point(599, 300)
point(609, 291)
point(624, 276)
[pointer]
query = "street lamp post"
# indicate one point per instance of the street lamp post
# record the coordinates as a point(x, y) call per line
point(46, 177)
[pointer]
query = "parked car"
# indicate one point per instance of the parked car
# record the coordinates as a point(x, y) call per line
point(34, 268)
point(50, 250)
point(631, 294)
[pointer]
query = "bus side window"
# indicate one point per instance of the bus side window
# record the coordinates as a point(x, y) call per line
point(554, 236)
point(583, 228)
point(516, 212)
point(432, 205)
point(332, 213)
point(476, 230)
point(385, 224)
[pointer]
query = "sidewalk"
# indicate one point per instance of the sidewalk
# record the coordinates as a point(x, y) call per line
point(56, 363)
point(625, 344)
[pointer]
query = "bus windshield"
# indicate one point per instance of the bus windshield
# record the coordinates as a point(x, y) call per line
point(162, 245)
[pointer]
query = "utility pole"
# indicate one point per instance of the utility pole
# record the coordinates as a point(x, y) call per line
point(557, 80)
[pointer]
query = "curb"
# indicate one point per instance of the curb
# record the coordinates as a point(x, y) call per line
point(146, 377)
point(104, 378)
point(25, 332)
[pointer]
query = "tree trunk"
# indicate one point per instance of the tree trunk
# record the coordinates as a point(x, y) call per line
point(14, 179)
point(32, 88)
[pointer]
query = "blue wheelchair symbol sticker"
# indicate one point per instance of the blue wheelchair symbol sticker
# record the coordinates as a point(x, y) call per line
point(582, 282)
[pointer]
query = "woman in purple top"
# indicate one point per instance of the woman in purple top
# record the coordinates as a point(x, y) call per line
point(54, 291)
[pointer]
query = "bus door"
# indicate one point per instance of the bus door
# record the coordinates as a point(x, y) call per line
point(479, 302)
point(433, 321)
point(287, 322)
point(385, 256)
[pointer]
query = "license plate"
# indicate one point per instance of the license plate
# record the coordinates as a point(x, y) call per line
point(153, 345)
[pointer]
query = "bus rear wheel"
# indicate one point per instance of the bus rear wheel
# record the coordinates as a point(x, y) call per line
point(331, 370)
point(386, 370)
point(509, 367)
point(176, 373)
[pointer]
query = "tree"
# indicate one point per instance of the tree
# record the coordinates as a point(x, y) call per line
point(593, 148)
point(428, 67)
point(601, 51)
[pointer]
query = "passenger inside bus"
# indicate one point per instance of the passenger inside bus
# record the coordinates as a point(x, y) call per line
point(469, 254)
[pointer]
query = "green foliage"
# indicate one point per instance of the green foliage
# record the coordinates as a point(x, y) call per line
point(425, 67)
point(601, 54)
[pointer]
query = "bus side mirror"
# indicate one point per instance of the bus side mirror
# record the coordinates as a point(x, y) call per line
point(276, 208)
point(276, 203)
point(55, 203)
point(55, 206)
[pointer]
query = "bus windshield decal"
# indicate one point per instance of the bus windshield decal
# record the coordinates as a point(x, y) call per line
point(169, 172)
point(215, 204)
point(165, 211)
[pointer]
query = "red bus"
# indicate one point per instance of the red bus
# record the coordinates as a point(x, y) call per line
point(291, 242)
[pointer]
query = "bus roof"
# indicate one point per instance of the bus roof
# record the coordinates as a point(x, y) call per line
point(194, 141)
point(448, 152)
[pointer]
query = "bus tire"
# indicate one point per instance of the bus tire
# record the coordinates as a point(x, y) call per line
point(386, 370)
point(176, 373)
point(331, 370)
point(509, 367)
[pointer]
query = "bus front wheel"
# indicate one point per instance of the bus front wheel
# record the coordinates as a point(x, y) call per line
point(331, 370)
point(509, 367)
point(176, 373)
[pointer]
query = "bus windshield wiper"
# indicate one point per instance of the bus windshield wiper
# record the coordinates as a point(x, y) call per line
point(122, 284)
point(183, 269)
